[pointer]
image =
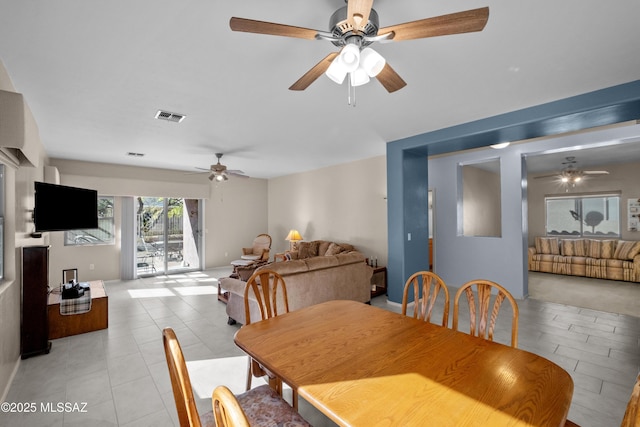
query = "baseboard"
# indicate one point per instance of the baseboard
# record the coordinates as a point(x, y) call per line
point(5, 392)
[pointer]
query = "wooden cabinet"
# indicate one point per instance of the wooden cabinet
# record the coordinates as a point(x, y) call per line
point(34, 325)
point(64, 325)
point(379, 281)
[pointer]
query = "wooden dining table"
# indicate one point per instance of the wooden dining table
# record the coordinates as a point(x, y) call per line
point(365, 366)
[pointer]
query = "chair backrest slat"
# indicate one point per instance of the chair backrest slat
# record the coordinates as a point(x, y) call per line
point(482, 322)
point(269, 290)
point(426, 287)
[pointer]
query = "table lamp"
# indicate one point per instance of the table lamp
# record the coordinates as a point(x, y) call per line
point(293, 237)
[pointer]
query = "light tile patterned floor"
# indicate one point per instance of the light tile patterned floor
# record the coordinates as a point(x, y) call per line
point(121, 372)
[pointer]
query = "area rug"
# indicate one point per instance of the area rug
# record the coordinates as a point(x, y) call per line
point(597, 294)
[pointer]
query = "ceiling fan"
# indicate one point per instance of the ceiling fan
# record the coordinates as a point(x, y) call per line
point(219, 172)
point(353, 28)
point(570, 174)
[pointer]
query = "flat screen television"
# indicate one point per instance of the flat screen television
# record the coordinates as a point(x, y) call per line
point(59, 208)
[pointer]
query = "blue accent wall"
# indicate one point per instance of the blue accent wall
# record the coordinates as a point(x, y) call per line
point(408, 184)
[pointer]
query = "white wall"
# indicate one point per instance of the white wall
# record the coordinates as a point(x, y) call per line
point(343, 203)
point(481, 202)
point(18, 192)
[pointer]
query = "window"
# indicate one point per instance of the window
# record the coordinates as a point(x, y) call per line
point(584, 216)
point(103, 235)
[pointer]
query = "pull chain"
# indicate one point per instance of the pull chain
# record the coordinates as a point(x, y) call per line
point(351, 92)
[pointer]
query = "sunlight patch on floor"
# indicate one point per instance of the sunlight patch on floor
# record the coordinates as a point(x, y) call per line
point(151, 293)
point(196, 290)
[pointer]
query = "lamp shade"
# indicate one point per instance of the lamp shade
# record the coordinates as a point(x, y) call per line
point(371, 61)
point(293, 236)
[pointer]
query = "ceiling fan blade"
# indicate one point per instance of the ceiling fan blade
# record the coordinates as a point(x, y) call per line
point(390, 79)
point(198, 173)
point(271, 28)
point(315, 72)
point(454, 23)
point(238, 174)
point(358, 13)
point(595, 172)
point(547, 176)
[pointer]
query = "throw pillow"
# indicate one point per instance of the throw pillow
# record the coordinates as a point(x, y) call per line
point(547, 245)
point(603, 249)
point(608, 249)
point(573, 247)
point(627, 250)
point(333, 249)
point(307, 249)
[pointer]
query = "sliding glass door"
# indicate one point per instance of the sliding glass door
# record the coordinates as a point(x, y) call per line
point(167, 235)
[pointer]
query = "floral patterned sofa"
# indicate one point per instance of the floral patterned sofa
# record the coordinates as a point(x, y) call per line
point(612, 259)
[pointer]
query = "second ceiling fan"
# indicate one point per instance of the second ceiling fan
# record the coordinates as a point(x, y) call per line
point(570, 174)
point(353, 28)
point(219, 172)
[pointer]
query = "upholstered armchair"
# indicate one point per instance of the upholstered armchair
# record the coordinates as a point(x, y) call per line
point(259, 251)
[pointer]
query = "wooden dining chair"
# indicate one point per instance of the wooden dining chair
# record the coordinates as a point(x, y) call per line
point(270, 293)
point(480, 323)
point(181, 384)
point(260, 406)
point(632, 414)
point(426, 287)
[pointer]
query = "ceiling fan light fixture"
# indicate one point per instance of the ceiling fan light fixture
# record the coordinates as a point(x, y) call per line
point(371, 61)
point(359, 77)
point(336, 71)
point(500, 145)
point(349, 57)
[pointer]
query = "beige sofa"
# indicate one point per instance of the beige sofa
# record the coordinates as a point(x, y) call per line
point(311, 277)
point(612, 259)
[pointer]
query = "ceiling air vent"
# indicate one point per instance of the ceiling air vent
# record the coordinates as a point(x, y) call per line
point(171, 117)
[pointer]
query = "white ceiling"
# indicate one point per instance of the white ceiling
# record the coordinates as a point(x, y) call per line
point(95, 73)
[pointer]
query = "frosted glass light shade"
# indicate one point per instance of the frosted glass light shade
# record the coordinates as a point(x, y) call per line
point(500, 145)
point(336, 71)
point(359, 77)
point(371, 61)
point(350, 57)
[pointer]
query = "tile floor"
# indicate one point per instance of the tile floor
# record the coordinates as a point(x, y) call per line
point(121, 372)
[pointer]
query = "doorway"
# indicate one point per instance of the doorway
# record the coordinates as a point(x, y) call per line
point(168, 237)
